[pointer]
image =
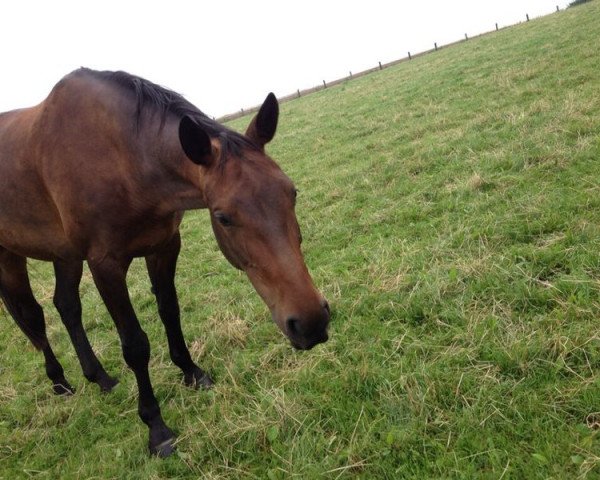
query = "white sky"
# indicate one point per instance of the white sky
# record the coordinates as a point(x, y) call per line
point(225, 55)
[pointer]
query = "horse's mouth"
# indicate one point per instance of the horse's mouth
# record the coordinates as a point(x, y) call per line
point(310, 343)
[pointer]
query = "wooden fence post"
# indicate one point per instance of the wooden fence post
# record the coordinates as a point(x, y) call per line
point(557, 8)
point(435, 45)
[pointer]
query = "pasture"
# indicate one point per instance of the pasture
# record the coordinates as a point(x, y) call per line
point(450, 209)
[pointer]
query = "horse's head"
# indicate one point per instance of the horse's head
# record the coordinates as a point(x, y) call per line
point(251, 203)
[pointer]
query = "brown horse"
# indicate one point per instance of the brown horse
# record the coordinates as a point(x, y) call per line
point(102, 171)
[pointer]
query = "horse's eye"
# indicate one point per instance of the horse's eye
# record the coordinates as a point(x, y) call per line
point(223, 219)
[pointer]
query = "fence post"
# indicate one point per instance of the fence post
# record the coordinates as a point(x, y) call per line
point(527, 15)
point(350, 73)
point(557, 8)
point(435, 45)
point(298, 93)
point(409, 56)
point(496, 27)
point(324, 84)
point(380, 67)
point(466, 37)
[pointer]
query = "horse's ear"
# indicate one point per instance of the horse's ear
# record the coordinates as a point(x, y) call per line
point(195, 142)
point(262, 127)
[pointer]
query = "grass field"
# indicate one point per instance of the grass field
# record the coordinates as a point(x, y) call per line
point(450, 208)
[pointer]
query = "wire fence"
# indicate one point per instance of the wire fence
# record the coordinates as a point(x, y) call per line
point(351, 76)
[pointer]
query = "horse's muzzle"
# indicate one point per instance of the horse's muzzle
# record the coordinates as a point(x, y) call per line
point(304, 335)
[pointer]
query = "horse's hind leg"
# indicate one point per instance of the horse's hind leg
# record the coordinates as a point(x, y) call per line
point(16, 292)
point(68, 304)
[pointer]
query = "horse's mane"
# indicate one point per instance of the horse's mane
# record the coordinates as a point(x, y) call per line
point(163, 101)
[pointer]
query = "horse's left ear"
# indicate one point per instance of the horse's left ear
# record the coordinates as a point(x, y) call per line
point(195, 142)
point(263, 126)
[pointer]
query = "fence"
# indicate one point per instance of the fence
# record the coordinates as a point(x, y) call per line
point(307, 91)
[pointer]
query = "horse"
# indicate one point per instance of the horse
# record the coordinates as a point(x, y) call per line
point(102, 171)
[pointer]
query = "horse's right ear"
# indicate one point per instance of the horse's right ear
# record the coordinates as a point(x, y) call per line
point(195, 142)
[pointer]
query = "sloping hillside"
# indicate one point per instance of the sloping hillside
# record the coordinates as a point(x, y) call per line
point(450, 208)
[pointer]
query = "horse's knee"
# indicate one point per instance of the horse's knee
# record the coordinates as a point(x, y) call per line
point(69, 309)
point(136, 349)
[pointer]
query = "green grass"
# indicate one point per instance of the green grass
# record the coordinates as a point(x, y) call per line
point(451, 213)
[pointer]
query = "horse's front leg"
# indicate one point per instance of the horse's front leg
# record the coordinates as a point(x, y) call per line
point(161, 268)
point(109, 275)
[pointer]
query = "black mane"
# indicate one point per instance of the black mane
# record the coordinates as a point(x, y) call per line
point(163, 101)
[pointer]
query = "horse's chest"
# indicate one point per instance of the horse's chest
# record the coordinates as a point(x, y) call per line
point(149, 237)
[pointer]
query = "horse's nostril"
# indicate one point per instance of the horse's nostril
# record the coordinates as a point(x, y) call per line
point(326, 307)
point(292, 326)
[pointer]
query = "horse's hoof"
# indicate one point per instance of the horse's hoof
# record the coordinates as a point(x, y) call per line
point(163, 449)
point(107, 383)
point(63, 388)
point(198, 378)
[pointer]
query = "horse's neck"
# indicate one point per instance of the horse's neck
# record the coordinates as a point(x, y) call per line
point(174, 179)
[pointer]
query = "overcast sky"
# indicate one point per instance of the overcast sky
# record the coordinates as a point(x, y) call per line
point(225, 55)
